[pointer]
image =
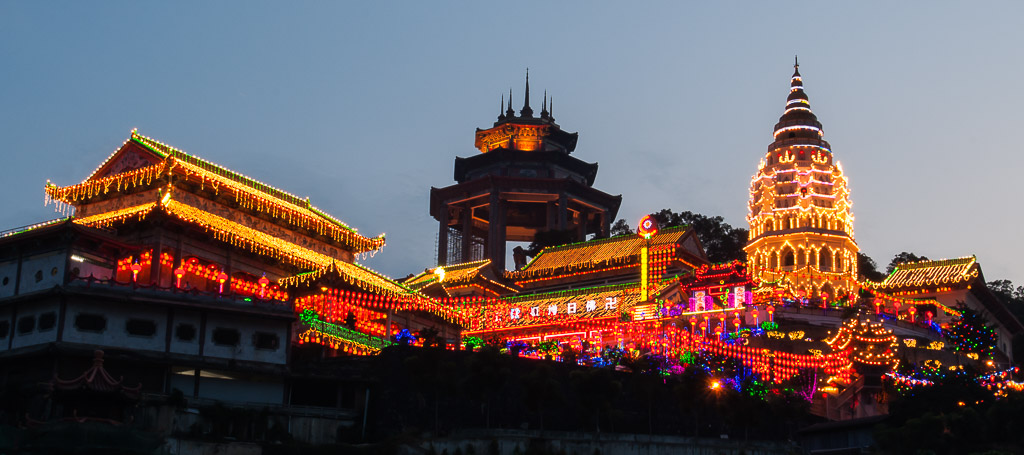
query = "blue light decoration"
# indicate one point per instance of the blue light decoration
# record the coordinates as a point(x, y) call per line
point(405, 337)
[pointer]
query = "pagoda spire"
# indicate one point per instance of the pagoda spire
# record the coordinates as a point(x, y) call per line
point(526, 111)
point(501, 114)
point(796, 66)
point(544, 107)
point(510, 113)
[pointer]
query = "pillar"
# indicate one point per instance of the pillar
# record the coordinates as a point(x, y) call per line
point(496, 233)
point(442, 237)
point(563, 211)
point(467, 233)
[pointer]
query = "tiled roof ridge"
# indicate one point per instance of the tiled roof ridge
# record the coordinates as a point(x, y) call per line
point(595, 289)
point(617, 238)
point(936, 263)
point(155, 146)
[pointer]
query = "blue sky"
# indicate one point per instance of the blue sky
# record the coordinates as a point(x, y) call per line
point(363, 106)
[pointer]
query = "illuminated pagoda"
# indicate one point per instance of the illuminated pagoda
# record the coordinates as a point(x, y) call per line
point(524, 181)
point(193, 277)
point(801, 220)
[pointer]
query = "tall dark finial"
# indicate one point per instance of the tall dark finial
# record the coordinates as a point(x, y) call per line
point(796, 65)
point(544, 107)
point(551, 108)
point(526, 111)
point(501, 113)
point(510, 113)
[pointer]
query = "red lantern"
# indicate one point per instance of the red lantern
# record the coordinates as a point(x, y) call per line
point(263, 281)
point(136, 268)
point(221, 278)
point(178, 273)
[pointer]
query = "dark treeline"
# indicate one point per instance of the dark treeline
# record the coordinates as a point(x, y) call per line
point(437, 391)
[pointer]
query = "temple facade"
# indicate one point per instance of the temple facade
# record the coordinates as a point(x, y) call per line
point(800, 214)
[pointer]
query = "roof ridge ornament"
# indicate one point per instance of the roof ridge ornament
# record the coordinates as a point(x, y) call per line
point(527, 111)
point(510, 113)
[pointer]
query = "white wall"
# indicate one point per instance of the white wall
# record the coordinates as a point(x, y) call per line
point(42, 271)
point(36, 336)
point(179, 346)
point(115, 334)
point(247, 327)
point(8, 273)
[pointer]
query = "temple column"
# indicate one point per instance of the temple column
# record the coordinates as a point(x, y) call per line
point(581, 229)
point(606, 224)
point(467, 232)
point(563, 211)
point(552, 218)
point(496, 233)
point(442, 237)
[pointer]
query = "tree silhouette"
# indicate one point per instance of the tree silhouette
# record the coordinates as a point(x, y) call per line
point(903, 258)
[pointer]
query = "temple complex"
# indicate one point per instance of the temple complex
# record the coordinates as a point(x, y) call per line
point(195, 280)
point(801, 220)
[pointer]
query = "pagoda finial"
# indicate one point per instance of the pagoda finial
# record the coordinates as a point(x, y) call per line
point(510, 113)
point(526, 111)
point(544, 106)
point(796, 65)
point(551, 108)
point(501, 113)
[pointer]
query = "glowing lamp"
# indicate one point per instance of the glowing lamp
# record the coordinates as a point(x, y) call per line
point(912, 311)
point(648, 227)
point(263, 281)
point(136, 268)
point(221, 278)
point(771, 313)
point(178, 273)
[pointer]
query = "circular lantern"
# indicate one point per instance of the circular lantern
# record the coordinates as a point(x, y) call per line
point(648, 227)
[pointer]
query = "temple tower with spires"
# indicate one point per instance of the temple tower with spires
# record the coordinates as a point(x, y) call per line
point(801, 220)
point(522, 182)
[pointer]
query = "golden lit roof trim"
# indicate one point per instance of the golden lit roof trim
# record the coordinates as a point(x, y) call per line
point(452, 273)
point(595, 253)
point(92, 188)
point(931, 273)
point(310, 215)
point(248, 193)
point(266, 244)
point(377, 282)
point(109, 218)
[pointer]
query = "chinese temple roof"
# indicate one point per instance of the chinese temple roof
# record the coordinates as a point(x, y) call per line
point(353, 274)
point(475, 274)
point(143, 160)
point(620, 251)
point(955, 272)
point(96, 379)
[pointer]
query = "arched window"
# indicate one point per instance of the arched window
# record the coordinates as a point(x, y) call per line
point(774, 261)
point(825, 260)
point(787, 258)
point(801, 257)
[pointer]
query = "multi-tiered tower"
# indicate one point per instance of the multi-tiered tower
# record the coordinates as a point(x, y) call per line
point(801, 221)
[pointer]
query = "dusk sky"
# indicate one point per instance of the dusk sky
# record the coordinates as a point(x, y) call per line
point(363, 106)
